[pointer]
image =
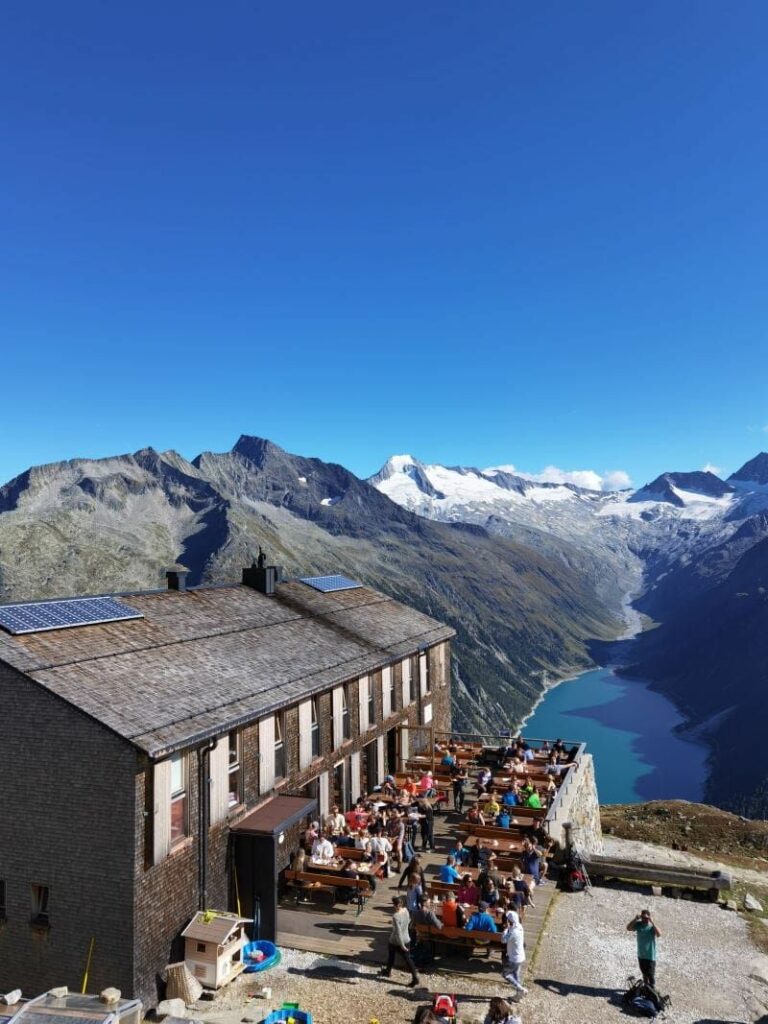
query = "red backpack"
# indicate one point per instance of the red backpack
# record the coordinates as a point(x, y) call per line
point(445, 1006)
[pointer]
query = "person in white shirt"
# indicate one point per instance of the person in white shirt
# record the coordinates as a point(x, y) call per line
point(513, 938)
point(322, 849)
point(334, 822)
point(380, 849)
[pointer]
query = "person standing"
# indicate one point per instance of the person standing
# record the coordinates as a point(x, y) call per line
point(458, 789)
point(513, 938)
point(646, 934)
point(400, 941)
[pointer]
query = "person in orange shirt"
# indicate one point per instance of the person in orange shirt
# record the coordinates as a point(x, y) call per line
point(409, 786)
point(453, 915)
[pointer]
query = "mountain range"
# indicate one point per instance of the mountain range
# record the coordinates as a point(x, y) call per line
point(535, 577)
point(687, 553)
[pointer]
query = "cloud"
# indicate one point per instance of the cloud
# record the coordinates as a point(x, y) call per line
point(612, 480)
point(710, 467)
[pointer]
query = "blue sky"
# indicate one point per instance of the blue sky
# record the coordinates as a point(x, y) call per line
point(482, 233)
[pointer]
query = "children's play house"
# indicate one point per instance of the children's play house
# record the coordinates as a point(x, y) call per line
point(213, 949)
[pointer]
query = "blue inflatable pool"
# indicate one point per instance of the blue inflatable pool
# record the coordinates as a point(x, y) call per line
point(271, 956)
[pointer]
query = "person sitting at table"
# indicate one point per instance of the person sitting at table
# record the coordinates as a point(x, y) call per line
point(479, 854)
point(551, 788)
point(409, 786)
point(484, 780)
point(460, 853)
point(310, 835)
point(427, 784)
point(528, 755)
point(388, 786)
point(333, 824)
point(526, 789)
point(492, 806)
point(468, 892)
point(346, 838)
point(345, 894)
point(448, 872)
point(453, 912)
point(489, 893)
point(362, 843)
point(492, 870)
point(414, 894)
point(425, 914)
point(518, 766)
point(509, 798)
point(448, 759)
point(357, 818)
point(475, 816)
point(322, 849)
point(481, 920)
point(503, 819)
point(534, 800)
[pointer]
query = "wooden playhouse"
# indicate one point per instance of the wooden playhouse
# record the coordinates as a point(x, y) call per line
point(213, 946)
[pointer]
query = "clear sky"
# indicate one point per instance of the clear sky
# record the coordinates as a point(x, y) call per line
point(483, 233)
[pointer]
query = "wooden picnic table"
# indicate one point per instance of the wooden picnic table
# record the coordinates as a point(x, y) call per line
point(336, 865)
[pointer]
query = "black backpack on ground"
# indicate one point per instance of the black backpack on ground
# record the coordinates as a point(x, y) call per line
point(643, 1000)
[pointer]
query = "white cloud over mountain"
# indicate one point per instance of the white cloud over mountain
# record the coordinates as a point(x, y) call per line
point(710, 467)
point(611, 480)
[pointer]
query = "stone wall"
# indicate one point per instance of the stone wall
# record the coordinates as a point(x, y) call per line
point(579, 805)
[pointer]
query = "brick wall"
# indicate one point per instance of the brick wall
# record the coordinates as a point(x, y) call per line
point(66, 821)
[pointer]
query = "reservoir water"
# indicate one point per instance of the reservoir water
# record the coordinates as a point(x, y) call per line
point(630, 731)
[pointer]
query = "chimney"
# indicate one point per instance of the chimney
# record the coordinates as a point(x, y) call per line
point(262, 577)
point(177, 577)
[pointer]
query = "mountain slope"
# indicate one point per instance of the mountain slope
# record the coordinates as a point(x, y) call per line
point(109, 525)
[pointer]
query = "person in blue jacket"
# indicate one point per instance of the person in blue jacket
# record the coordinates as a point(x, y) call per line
point(481, 920)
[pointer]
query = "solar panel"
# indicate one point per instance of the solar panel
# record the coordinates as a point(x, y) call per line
point(327, 584)
point(40, 616)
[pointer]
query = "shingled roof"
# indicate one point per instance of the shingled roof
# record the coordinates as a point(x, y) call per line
point(207, 660)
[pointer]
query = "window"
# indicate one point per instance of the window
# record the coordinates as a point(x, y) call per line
point(235, 769)
point(371, 705)
point(40, 905)
point(179, 799)
point(411, 682)
point(2, 899)
point(201, 947)
point(346, 729)
point(392, 698)
point(315, 730)
point(279, 747)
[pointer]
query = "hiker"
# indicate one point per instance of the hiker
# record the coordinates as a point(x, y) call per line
point(400, 941)
point(413, 867)
point(513, 938)
point(646, 934)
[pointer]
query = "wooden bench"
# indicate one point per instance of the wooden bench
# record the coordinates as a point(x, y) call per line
point(669, 876)
point(460, 938)
point(320, 883)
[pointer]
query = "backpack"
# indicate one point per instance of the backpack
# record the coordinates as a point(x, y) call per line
point(642, 1007)
point(445, 1006)
point(643, 1000)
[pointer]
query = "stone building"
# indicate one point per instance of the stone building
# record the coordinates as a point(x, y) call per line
point(137, 754)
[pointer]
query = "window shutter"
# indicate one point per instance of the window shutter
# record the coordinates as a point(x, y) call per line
point(406, 682)
point(427, 714)
point(161, 817)
point(380, 759)
point(423, 673)
point(338, 716)
point(362, 698)
point(323, 795)
point(266, 755)
point(386, 691)
point(218, 765)
point(354, 776)
point(305, 734)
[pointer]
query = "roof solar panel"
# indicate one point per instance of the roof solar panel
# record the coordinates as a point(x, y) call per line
point(40, 616)
point(327, 584)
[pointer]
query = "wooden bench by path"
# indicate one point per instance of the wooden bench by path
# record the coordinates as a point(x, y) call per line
point(461, 938)
point(673, 877)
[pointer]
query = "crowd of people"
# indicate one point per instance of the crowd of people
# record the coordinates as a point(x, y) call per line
point(393, 827)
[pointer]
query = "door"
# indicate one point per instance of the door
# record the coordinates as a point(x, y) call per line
point(340, 782)
point(393, 764)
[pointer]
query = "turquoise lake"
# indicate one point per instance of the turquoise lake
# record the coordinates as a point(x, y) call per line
point(630, 731)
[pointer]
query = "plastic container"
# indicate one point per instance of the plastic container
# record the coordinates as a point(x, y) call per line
point(277, 1016)
point(271, 956)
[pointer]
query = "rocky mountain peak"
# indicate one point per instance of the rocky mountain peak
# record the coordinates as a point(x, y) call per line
point(754, 471)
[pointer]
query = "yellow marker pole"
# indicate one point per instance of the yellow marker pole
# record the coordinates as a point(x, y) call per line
point(237, 893)
point(88, 966)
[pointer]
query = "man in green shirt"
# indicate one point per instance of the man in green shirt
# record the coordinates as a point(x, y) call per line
point(646, 934)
